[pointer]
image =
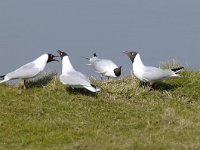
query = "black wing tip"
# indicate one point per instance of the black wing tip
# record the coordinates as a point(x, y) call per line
point(2, 77)
point(94, 86)
point(177, 69)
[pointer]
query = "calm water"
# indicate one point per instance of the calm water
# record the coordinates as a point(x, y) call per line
point(159, 30)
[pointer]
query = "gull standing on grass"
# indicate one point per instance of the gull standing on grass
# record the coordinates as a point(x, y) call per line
point(148, 73)
point(29, 70)
point(104, 67)
point(72, 77)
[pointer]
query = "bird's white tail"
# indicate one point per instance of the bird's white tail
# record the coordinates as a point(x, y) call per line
point(177, 75)
point(3, 81)
point(92, 88)
point(176, 70)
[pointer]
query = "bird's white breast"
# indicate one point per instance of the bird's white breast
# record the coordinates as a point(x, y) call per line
point(41, 62)
point(138, 67)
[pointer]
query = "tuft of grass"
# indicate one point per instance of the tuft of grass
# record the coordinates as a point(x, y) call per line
point(43, 80)
point(170, 64)
point(124, 115)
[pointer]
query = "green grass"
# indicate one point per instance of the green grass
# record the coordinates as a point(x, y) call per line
point(124, 115)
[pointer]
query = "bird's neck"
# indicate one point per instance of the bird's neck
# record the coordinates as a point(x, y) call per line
point(66, 65)
point(137, 61)
point(41, 61)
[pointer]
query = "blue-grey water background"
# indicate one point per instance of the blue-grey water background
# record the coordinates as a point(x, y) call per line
point(160, 30)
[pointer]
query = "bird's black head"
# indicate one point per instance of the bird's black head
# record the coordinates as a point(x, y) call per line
point(117, 71)
point(95, 55)
point(131, 55)
point(51, 58)
point(62, 54)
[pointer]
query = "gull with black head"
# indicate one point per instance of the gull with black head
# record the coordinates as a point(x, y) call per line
point(74, 78)
point(148, 73)
point(29, 70)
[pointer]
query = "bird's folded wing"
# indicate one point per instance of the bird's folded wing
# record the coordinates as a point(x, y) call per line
point(102, 66)
point(101, 72)
point(106, 63)
point(23, 73)
point(153, 73)
point(26, 66)
point(82, 76)
point(74, 79)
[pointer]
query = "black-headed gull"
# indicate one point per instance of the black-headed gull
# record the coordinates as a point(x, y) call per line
point(72, 77)
point(105, 67)
point(29, 70)
point(148, 73)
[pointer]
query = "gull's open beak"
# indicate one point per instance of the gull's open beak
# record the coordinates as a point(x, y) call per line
point(59, 52)
point(55, 59)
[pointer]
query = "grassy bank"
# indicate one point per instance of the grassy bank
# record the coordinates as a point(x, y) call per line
point(124, 115)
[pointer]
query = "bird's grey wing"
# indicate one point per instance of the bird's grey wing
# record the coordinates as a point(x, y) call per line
point(23, 73)
point(82, 76)
point(98, 66)
point(153, 74)
point(103, 65)
point(73, 79)
point(26, 66)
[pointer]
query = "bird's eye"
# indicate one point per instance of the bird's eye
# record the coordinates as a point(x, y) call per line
point(131, 53)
